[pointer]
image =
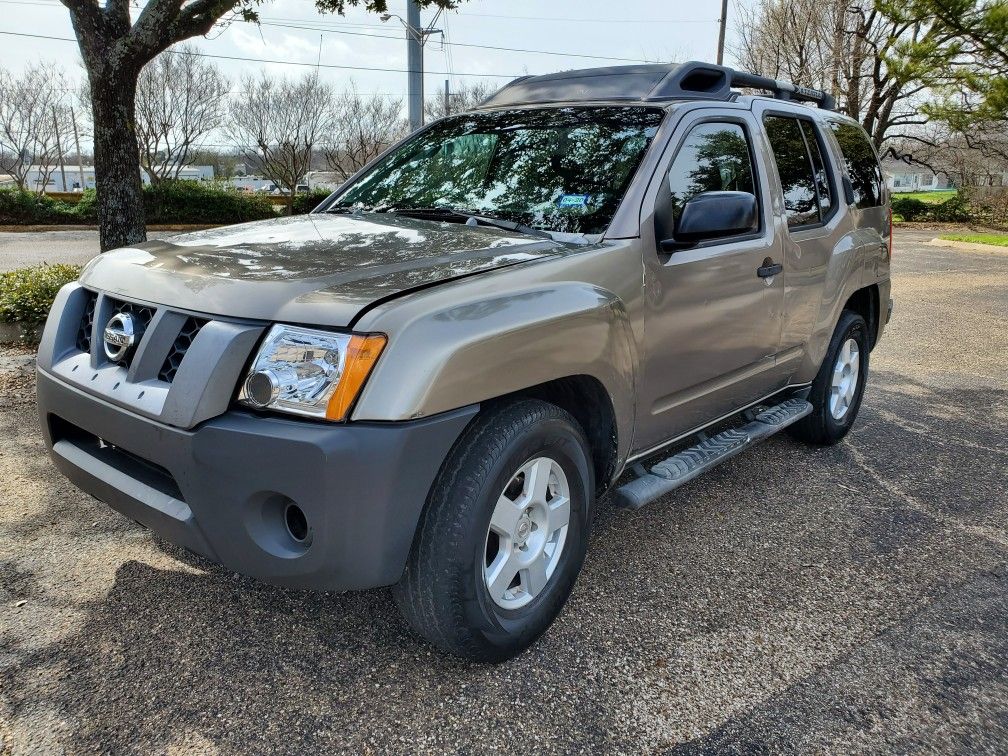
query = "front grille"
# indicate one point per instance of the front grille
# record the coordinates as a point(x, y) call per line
point(190, 328)
point(142, 316)
point(87, 323)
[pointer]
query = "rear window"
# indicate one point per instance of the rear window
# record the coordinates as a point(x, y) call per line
point(862, 165)
point(801, 200)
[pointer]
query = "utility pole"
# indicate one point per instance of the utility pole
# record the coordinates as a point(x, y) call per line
point(721, 32)
point(80, 160)
point(414, 55)
point(59, 149)
point(447, 97)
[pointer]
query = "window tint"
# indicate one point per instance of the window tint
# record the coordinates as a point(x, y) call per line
point(862, 165)
point(818, 167)
point(714, 157)
point(801, 203)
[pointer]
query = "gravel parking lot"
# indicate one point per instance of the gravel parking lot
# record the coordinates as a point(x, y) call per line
point(845, 599)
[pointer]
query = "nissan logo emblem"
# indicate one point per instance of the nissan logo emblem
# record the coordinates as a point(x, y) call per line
point(120, 336)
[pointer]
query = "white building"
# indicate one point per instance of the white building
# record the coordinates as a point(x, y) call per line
point(69, 178)
point(902, 177)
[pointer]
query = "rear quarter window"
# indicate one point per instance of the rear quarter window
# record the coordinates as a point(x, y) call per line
point(862, 165)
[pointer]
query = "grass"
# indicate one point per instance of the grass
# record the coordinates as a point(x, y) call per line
point(998, 240)
point(933, 197)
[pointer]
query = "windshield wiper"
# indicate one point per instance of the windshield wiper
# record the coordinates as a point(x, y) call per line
point(472, 216)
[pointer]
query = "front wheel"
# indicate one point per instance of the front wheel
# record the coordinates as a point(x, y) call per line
point(504, 534)
point(838, 388)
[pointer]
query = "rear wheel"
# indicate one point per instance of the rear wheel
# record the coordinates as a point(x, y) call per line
point(839, 386)
point(504, 534)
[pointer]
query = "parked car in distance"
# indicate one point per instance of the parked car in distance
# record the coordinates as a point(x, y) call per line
point(428, 382)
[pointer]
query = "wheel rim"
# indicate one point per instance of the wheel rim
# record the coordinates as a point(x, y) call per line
point(527, 533)
point(845, 379)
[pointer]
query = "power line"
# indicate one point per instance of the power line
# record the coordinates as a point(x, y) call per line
point(330, 28)
point(453, 44)
point(284, 62)
point(589, 20)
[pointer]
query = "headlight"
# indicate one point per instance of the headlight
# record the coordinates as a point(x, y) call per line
point(312, 373)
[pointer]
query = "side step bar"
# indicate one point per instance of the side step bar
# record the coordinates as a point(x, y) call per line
point(681, 468)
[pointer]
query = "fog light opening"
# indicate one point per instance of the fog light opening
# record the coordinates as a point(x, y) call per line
point(297, 523)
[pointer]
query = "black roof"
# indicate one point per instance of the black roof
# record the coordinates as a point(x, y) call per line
point(659, 82)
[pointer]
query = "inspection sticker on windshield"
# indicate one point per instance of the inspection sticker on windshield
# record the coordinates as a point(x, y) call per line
point(574, 200)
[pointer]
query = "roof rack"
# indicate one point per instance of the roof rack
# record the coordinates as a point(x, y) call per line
point(648, 83)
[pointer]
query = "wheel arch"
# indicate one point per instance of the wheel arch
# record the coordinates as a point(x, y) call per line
point(865, 302)
point(589, 403)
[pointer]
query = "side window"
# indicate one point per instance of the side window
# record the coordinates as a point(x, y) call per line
point(862, 165)
point(818, 167)
point(798, 182)
point(714, 157)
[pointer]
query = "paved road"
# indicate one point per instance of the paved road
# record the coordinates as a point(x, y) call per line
point(19, 249)
point(796, 599)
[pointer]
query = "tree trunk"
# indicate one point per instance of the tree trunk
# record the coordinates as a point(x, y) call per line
point(290, 199)
point(117, 160)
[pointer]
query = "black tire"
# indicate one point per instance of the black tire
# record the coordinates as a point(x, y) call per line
point(443, 593)
point(820, 427)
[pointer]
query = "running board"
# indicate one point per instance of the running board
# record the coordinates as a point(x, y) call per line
point(681, 468)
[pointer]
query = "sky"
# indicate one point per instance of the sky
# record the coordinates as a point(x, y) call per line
point(293, 32)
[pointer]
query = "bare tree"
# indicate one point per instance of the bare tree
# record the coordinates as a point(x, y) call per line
point(467, 97)
point(279, 123)
point(33, 121)
point(362, 128)
point(879, 64)
point(181, 98)
point(115, 47)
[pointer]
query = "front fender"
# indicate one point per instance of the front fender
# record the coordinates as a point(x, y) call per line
point(469, 351)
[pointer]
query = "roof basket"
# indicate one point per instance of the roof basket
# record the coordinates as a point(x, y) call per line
point(647, 83)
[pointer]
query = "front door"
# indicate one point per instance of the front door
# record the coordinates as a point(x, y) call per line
point(712, 321)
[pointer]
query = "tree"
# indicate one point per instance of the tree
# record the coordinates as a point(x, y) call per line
point(466, 98)
point(33, 121)
point(181, 98)
point(897, 66)
point(362, 128)
point(279, 124)
point(115, 48)
point(879, 64)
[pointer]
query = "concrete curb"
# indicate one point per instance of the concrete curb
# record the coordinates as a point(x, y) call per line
point(969, 246)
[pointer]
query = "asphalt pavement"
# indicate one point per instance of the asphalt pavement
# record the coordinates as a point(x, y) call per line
point(846, 599)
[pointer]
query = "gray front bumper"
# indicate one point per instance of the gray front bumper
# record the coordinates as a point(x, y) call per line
point(220, 489)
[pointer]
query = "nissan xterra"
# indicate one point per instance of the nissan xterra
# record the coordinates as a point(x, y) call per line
point(605, 280)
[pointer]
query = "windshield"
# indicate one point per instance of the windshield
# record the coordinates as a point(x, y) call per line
point(556, 169)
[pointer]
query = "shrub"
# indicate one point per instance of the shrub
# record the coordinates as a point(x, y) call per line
point(305, 203)
point(910, 209)
point(26, 294)
point(953, 210)
point(203, 202)
point(21, 207)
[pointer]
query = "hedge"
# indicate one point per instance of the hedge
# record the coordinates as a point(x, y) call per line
point(953, 210)
point(168, 202)
point(202, 202)
point(26, 294)
point(305, 203)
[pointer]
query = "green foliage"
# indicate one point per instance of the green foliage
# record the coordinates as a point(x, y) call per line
point(202, 202)
point(26, 294)
point(955, 209)
point(909, 209)
point(24, 208)
point(305, 203)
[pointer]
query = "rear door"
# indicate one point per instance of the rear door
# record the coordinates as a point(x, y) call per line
point(711, 323)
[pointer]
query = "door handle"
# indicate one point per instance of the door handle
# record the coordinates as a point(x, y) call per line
point(769, 269)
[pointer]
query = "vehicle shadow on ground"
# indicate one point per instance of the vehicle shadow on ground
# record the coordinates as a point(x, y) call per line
point(199, 655)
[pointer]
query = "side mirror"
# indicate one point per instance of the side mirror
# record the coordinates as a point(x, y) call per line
point(713, 215)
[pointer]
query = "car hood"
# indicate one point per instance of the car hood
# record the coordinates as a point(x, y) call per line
point(316, 269)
